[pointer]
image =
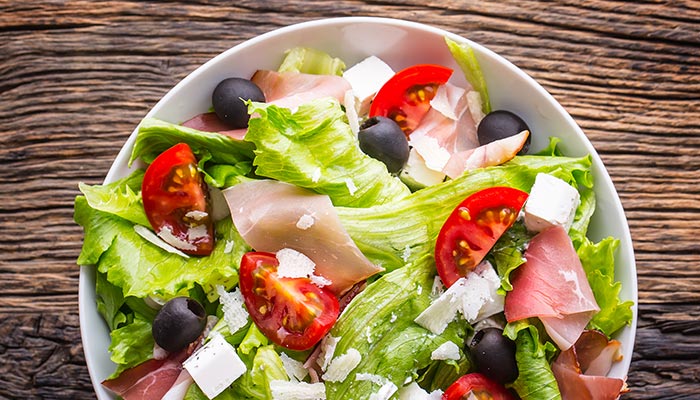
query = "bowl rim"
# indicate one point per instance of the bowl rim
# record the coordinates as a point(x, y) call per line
point(87, 273)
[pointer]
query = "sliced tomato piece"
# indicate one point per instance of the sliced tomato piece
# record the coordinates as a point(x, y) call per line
point(406, 96)
point(480, 386)
point(176, 201)
point(473, 228)
point(292, 312)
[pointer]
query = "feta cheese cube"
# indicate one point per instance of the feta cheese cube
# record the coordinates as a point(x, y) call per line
point(366, 78)
point(552, 202)
point(215, 366)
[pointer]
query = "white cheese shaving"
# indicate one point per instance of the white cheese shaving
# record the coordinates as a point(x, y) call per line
point(341, 366)
point(446, 351)
point(197, 215)
point(474, 105)
point(351, 186)
point(328, 345)
point(215, 366)
point(293, 264)
point(305, 222)
point(285, 390)
point(351, 111)
point(157, 241)
point(228, 246)
point(376, 379)
point(197, 232)
point(385, 392)
point(435, 156)
point(415, 392)
point(438, 287)
point(167, 234)
point(320, 281)
point(235, 314)
point(316, 175)
point(295, 369)
point(475, 297)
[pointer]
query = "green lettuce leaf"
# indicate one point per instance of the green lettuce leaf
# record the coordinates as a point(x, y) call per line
point(131, 345)
point(508, 253)
point(464, 55)
point(392, 234)
point(262, 368)
point(535, 379)
point(379, 324)
point(110, 300)
point(314, 148)
point(121, 198)
point(311, 61)
point(598, 262)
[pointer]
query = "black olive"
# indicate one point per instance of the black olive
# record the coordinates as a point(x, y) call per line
point(382, 138)
point(179, 323)
point(228, 104)
point(494, 355)
point(501, 124)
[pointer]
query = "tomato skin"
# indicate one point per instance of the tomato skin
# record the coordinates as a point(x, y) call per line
point(173, 187)
point(473, 228)
point(406, 96)
point(292, 312)
point(482, 387)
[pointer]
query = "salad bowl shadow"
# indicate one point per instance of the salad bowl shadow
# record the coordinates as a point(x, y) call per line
point(403, 44)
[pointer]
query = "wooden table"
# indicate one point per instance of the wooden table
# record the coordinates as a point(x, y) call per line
point(77, 76)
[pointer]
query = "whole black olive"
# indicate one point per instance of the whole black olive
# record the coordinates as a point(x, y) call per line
point(494, 355)
point(381, 138)
point(228, 100)
point(179, 323)
point(501, 124)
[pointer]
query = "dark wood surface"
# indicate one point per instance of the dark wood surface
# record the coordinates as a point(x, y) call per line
point(77, 76)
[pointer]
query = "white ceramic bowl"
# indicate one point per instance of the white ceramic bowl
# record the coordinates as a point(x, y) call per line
point(400, 44)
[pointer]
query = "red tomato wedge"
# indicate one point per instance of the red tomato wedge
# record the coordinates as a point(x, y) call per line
point(480, 386)
point(176, 201)
point(406, 96)
point(473, 228)
point(292, 312)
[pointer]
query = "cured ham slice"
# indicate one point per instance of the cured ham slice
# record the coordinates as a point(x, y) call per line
point(149, 380)
point(210, 122)
point(292, 89)
point(575, 385)
point(494, 153)
point(273, 215)
point(552, 285)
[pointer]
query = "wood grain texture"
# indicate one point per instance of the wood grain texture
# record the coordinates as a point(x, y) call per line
point(77, 76)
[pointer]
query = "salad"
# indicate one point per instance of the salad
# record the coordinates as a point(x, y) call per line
point(327, 232)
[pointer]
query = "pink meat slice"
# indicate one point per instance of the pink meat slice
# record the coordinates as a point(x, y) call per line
point(292, 89)
point(272, 215)
point(210, 122)
point(490, 154)
point(149, 380)
point(552, 285)
point(574, 385)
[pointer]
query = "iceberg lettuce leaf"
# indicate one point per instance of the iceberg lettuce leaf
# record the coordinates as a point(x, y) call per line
point(535, 379)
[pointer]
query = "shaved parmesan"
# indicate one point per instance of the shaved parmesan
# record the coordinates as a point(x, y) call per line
point(228, 246)
point(341, 366)
point(327, 349)
point(385, 392)
point(351, 111)
point(376, 379)
point(305, 222)
point(295, 369)
point(415, 392)
point(446, 351)
point(235, 314)
point(157, 241)
point(285, 390)
point(351, 186)
point(167, 234)
point(197, 215)
point(474, 105)
point(294, 264)
point(320, 281)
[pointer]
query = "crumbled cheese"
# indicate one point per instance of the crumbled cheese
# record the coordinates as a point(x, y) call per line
point(366, 78)
point(341, 366)
point(474, 105)
point(552, 201)
point(435, 156)
point(228, 246)
point(351, 111)
point(285, 390)
point(438, 287)
point(167, 234)
point(305, 222)
point(446, 351)
point(197, 215)
point(320, 281)
point(157, 241)
point(235, 314)
point(159, 353)
point(316, 175)
point(293, 264)
point(215, 366)
point(385, 392)
point(328, 345)
point(475, 297)
point(197, 232)
point(351, 186)
point(415, 392)
point(295, 369)
point(376, 379)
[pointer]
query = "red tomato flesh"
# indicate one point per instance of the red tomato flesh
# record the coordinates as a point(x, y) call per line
point(292, 312)
point(406, 96)
point(176, 201)
point(473, 228)
point(477, 384)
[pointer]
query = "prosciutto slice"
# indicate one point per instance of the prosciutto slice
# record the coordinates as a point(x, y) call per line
point(552, 285)
point(494, 153)
point(273, 215)
point(210, 122)
point(292, 89)
point(149, 380)
point(574, 385)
